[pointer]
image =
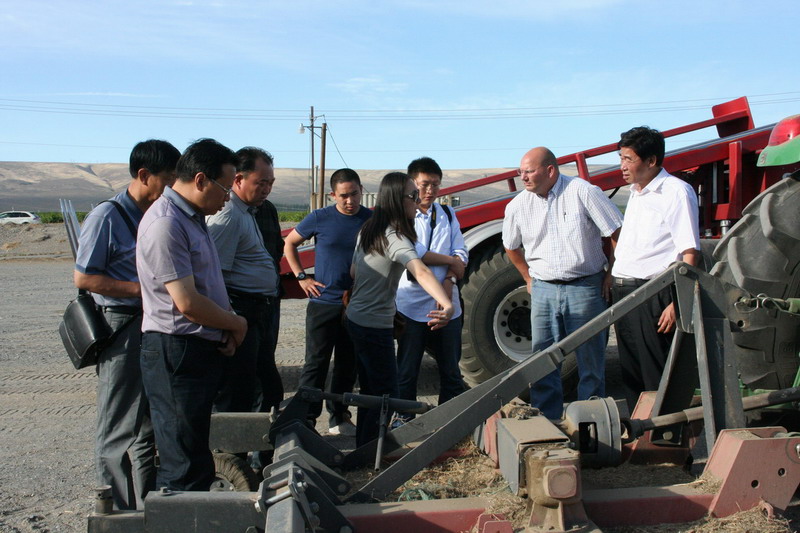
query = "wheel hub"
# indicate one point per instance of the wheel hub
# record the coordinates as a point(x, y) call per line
point(512, 324)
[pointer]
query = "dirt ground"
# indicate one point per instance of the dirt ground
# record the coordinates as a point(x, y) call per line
point(47, 408)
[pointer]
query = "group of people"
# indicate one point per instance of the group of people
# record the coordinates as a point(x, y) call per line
point(186, 260)
point(361, 256)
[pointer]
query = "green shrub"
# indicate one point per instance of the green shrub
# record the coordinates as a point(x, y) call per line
point(291, 216)
point(54, 217)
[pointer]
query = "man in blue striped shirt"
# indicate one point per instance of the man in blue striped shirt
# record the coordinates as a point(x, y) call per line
point(553, 233)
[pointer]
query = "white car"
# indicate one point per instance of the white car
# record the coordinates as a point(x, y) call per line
point(19, 217)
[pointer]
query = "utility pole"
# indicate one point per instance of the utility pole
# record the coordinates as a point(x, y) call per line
point(313, 176)
point(321, 196)
point(317, 198)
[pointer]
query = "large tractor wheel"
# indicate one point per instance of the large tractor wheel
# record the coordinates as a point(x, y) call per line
point(497, 321)
point(761, 254)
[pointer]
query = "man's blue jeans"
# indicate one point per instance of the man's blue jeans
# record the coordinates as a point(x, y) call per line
point(446, 346)
point(181, 375)
point(556, 311)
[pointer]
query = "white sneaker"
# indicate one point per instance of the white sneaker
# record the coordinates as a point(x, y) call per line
point(346, 429)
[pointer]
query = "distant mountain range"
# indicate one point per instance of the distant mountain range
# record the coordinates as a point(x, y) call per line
point(39, 186)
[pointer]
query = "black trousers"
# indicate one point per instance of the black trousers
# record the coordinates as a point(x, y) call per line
point(642, 350)
point(325, 336)
point(252, 368)
point(180, 374)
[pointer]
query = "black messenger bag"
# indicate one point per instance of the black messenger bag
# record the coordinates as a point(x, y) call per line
point(84, 331)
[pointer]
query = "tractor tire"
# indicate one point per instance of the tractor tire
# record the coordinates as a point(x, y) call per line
point(497, 321)
point(761, 254)
point(233, 474)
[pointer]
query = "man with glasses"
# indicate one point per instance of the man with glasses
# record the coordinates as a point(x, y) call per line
point(661, 227)
point(440, 245)
point(188, 327)
point(552, 233)
point(251, 279)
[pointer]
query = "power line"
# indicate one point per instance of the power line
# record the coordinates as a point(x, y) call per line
point(461, 114)
point(330, 134)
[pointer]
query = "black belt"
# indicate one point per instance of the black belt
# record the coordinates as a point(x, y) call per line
point(567, 281)
point(123, 309)
point(629, 282)
point(252, 295)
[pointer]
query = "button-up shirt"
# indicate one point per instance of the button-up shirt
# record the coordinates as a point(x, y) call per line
point(561, 232)
point(661, 221)
point(107, 246)
point(246, 264)
point(412, 300)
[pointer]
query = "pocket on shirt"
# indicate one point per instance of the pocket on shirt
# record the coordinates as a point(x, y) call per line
point(575, 225)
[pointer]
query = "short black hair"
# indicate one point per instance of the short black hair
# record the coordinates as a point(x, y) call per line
point(155, 155)
point(424, 165)
point(206, 156)
point(248, 156)
point(645, 142)
point(344, 175)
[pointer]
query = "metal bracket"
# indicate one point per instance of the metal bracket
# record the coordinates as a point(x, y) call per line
point(292, 503)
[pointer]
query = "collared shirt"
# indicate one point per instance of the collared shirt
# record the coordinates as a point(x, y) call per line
point(246, 264)
point(661, 221)
point(107, 246)
point(174, 243)
point(412, 300)
point(561, 233)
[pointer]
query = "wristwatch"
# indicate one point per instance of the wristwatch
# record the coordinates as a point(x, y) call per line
point(301, 276)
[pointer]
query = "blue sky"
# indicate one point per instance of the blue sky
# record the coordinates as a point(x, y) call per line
point(471, 83)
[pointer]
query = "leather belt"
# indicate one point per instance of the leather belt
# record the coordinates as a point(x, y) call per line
point(123, 309)
point(629, 282)
point(567, 281)
point(252, 295)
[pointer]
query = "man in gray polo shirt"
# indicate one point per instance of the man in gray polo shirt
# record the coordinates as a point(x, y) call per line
point(188, 325)
point(252, 283)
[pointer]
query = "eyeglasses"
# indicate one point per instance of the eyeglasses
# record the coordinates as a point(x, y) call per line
point(523, 172)
point(414, 196)
point(226, 189)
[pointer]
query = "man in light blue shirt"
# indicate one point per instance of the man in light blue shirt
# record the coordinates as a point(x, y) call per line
point(441, 246)
point(106, 266)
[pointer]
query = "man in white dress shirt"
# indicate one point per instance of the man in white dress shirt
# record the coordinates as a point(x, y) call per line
point(661, 227)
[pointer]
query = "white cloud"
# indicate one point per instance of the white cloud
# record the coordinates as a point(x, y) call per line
point(370, 86)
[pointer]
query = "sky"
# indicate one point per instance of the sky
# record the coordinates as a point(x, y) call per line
point(473, 84)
